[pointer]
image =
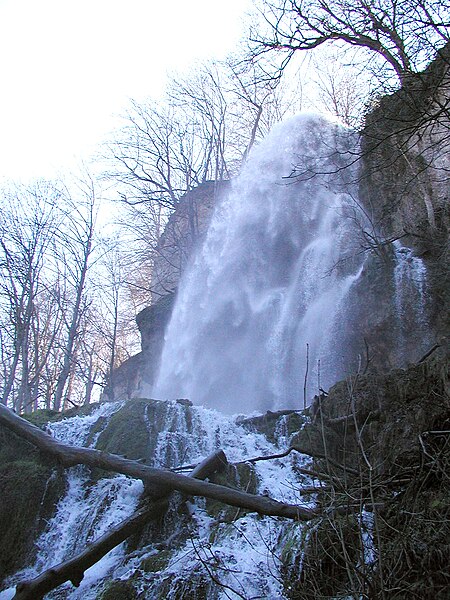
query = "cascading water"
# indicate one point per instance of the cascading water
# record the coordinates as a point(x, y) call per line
point(267, 287)
point(410, 282)
point(234, 556)
point(85, 512)
point(410, 277)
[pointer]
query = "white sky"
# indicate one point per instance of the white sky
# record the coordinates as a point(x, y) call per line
point(68, 66)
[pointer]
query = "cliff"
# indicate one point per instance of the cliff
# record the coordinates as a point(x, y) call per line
point(405, 176)
point(183, 232)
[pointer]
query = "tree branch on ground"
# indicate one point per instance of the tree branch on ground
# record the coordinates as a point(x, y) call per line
point(74, 569)
point(68, 456)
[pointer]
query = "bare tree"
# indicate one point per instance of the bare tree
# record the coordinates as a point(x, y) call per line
point(343, 89)
point(27, 223)
point(113, 332)
point(63, 323)
point(403, 36)
point(76, 248)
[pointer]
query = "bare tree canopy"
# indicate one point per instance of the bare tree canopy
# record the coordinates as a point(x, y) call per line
point(61, 333)
point(405, 34)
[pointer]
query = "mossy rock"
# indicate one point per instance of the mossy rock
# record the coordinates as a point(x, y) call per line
point(241, 477)
point(42, 416)
point(134, 431)
point(45, 415)
point(156, 562)
point(81, 411)
point(295, 422)
point(196, 585)
point(118, 590)
point(275, 424)
point(316, 439)
point(30, 489)
point(292, 543)
point(246, 477)
point(126, 433)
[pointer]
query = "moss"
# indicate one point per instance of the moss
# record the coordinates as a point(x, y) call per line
point(312, 438)
point(275, 424)
point(247, 479)
point(295, 422)
point(96, 428)
point(134, 429)
point(118, 590)
point(45, 415)
point(198, 585)
point(156, 562)
point(42, 416)
point(126, 433)
point(242, 477)
point(30, 489)
point(293, 544)
point(81, 411)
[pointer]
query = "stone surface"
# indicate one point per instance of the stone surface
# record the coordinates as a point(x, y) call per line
point(404, 176)
point(182, 233)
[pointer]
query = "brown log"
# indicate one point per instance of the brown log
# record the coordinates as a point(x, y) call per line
point(73, 569)
point(157, 478)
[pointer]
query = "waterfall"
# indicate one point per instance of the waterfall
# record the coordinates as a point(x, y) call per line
point(410, 302)
point(86, 511)
point(241, 550)
point(261, 304)
point(410, 278)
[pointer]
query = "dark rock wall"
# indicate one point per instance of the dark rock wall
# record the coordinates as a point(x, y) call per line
point(405, 177)
point(385, 439)
point(182, 233)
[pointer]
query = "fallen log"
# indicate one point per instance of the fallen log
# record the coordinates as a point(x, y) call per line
point(163, 479)
point(74, 569)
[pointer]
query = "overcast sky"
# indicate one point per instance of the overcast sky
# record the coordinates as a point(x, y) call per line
point(68, 66)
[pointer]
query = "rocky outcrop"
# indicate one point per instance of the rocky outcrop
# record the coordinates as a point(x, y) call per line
point(184, 229)
point(405, 176)
point(30, 488)
point(386, 440)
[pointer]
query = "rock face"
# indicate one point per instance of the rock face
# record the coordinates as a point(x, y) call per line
point(30, 488)
point(405, 177)
point(135, 376)
point(387, 434)
point(184, 229)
